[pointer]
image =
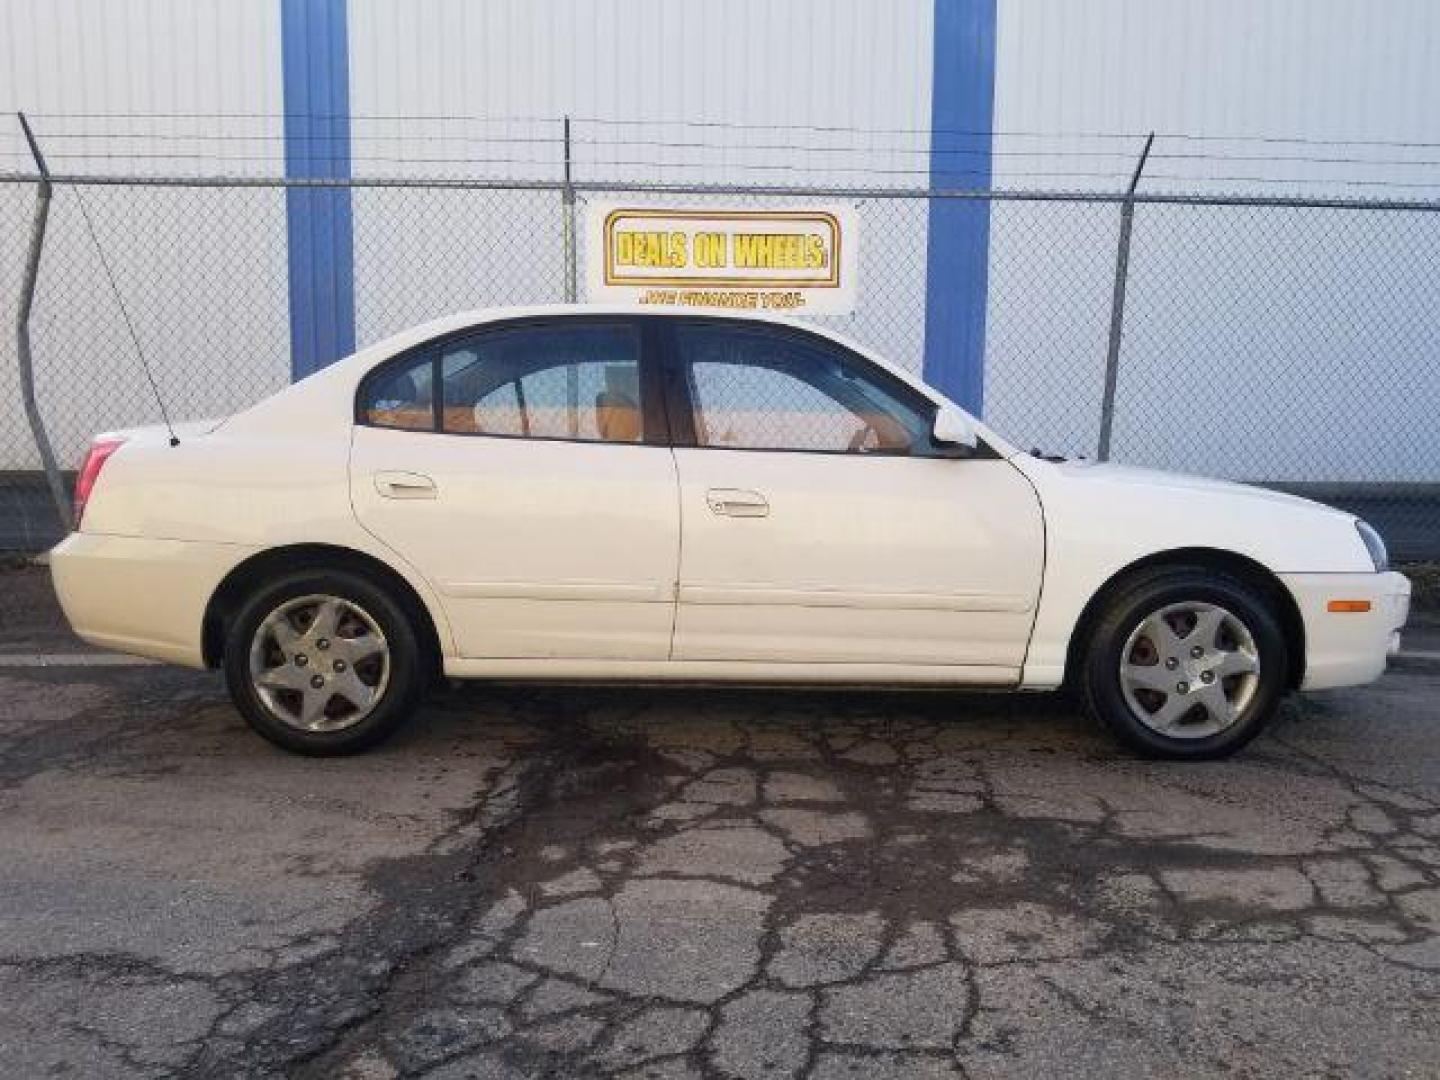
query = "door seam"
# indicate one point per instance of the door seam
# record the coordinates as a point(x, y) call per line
point(679, 556)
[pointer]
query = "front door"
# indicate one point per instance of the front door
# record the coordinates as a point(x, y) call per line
point(820, 524)
point(515, 468)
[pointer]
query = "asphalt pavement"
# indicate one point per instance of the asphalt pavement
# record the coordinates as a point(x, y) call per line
point(673, 883)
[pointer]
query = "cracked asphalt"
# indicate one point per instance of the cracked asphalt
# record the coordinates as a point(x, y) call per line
point(674, 883)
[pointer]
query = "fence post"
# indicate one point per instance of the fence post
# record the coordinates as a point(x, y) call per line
point(572, 373)
point(1117, 305)
point(22, 331)
point(567, 194)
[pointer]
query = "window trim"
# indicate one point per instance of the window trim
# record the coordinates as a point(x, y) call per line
point(654, 426)
point(681, 405)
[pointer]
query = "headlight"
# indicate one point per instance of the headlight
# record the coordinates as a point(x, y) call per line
point(1373, 544)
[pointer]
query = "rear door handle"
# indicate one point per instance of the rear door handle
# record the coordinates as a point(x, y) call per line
point(736, 502)
point(405, 485)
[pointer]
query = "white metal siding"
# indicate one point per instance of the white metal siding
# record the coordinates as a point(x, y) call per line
point(1316, 69)
point(117, 80)
point(745, 92)
point(807, 91)
point(1308, 325)
point(117, 87)
point(657, 68)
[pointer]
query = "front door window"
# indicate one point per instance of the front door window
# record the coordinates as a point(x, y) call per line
point(756, 389)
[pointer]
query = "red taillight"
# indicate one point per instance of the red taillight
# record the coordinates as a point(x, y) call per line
point(100, 451)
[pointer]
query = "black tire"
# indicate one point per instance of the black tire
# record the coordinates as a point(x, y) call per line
point(403, 686)
point(1149, 591)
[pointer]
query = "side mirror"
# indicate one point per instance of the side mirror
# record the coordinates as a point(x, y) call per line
point(954, 428)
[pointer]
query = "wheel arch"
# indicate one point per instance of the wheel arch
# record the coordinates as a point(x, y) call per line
point(1232, 563)
point(231, 591)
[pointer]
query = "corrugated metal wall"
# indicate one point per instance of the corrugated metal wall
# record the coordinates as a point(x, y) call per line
point(685, 91)
point(758, 92)
point(1306, 325)
point(746, 92)
point(120, 85)
point(159, 86)
point(1302, 69)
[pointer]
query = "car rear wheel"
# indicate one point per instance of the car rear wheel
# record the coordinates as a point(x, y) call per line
point(323, 662)
point(1185, 663)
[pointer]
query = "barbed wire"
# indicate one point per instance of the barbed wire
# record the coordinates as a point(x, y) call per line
point(1307, 140)
point(919, 173)
point(558, 141)
point(597, 152)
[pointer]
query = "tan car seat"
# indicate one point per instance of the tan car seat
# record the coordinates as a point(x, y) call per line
point(617, 417)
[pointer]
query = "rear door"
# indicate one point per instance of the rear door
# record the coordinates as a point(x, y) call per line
point(523, 468)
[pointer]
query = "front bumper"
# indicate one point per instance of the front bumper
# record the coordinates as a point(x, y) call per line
point(1348, 648)
point(138, 595)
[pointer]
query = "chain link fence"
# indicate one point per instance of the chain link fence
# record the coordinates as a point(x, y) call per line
point(1279, 341)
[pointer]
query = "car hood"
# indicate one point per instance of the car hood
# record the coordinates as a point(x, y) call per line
point(1128, 476)
point(1109, 516)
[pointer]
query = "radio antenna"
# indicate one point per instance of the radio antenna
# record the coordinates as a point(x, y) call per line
point(110, 277)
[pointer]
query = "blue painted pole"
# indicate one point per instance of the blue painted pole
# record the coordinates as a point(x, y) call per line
point(958, 258)
point(319, 227)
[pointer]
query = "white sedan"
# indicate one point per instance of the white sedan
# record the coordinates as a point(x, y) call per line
point(590, 493)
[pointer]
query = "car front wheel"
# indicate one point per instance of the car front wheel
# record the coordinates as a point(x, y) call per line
point(1185, 663)
point(323, 662)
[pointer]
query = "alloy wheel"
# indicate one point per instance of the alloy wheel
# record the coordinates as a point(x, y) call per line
point(319, 663)
point(1189, 670)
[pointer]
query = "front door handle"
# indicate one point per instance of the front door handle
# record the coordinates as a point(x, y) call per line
point(735, 502)
point(405, 485)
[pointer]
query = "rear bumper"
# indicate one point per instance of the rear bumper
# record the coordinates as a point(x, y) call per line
point(141, 596)
point(1350, 647)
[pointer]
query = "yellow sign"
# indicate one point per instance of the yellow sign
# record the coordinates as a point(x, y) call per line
point(800, 259)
